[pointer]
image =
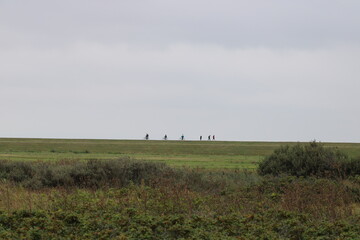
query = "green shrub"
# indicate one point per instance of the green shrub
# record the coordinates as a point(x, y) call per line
point(352, 167)
point(116, 173)
point(92, 173)
point(312, 159)
point(16, 171)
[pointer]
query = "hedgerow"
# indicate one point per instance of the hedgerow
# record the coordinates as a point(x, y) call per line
point(116, 173)
point(92, 173)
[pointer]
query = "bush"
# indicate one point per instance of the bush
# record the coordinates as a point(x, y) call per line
point(312, 159)
point(92, 173)
point(117, 173)
point(352, 167)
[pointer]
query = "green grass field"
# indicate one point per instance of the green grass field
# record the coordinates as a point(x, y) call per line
point(204, 154)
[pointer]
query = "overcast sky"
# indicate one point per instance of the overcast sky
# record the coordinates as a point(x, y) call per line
point(259, 70)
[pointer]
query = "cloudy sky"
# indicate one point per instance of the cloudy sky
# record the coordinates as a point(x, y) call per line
point(259, 70)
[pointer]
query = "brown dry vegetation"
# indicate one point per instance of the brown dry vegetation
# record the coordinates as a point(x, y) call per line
point(187, 204)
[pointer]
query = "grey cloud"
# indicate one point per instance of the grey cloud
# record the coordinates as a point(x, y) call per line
point(259, 70)
point(229, 23)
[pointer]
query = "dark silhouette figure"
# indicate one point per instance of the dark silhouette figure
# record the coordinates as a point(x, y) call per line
point(200, 138)
point(209, 137)
point(165, 137)
point(147, 136)
point(182, 137)
point(214, 137)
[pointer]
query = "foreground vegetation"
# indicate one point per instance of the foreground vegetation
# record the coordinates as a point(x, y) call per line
point(124, 199)
point(302, 191)
point(164, 212)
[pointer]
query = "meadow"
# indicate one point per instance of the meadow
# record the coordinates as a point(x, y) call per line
point(196, 154)
point(129, 190)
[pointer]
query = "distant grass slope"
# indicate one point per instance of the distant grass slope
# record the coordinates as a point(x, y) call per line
point(205, 154)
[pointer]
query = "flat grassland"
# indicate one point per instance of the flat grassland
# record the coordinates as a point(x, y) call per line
point(197, 154)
